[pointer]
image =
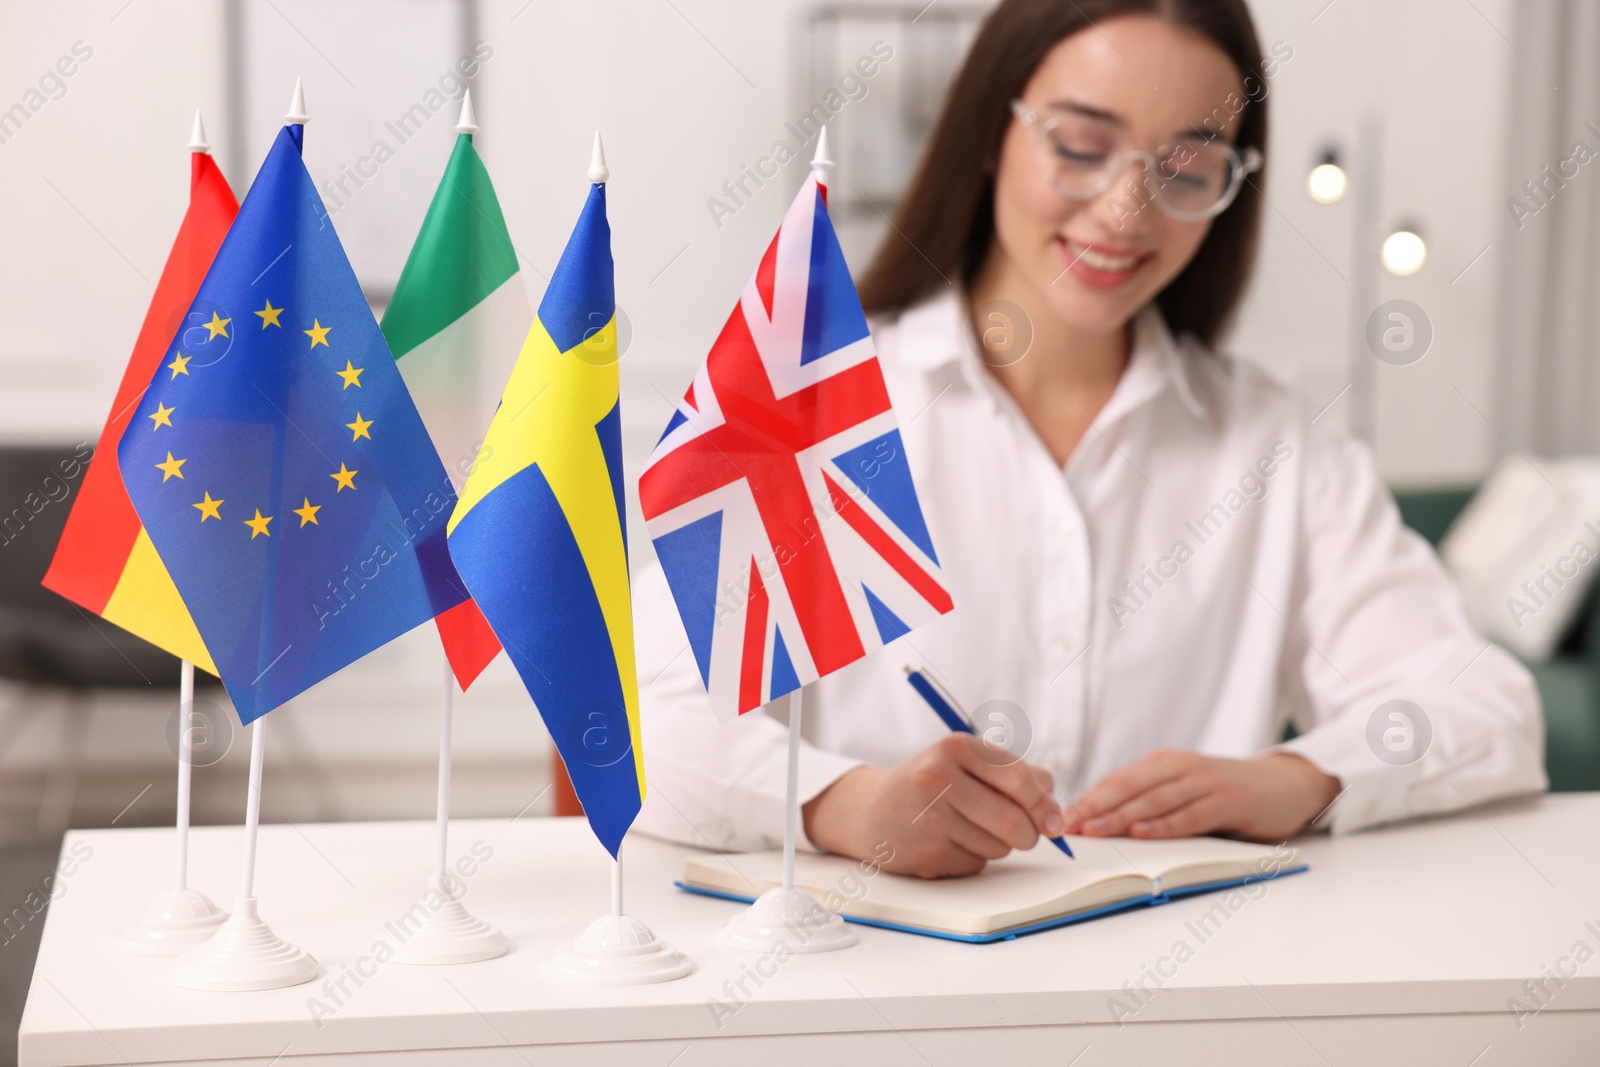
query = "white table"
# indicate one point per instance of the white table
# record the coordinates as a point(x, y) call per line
point(1402, 945)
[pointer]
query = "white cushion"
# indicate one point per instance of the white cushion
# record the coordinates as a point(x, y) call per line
point(1526, 549)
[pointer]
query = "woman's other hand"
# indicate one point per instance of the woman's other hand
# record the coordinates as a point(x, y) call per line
point(1174, 793)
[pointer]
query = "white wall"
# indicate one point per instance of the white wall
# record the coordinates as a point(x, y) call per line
point(686, 93)
point(91, 191)
point(1436, 74)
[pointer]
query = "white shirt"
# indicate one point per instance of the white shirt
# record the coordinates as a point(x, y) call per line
point(1212, 560)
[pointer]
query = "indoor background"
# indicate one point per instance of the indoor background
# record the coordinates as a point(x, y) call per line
point(1458, 131)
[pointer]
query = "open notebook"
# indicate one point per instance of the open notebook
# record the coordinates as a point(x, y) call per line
point(1024, 892)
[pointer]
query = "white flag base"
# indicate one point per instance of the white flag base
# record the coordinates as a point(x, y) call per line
point(791, 916)
point(176, 920)
point(617, 950)
point(244, 955)
point(785, 914)
point(450, 934)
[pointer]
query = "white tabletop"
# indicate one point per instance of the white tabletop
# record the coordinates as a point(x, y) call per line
point(1441, 918)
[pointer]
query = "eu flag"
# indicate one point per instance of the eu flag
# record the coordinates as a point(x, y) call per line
point(278, 463)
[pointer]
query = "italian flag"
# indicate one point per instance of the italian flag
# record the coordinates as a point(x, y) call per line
point(455, 324)
point(104, 561)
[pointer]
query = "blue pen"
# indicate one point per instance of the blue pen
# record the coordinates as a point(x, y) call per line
point(945, 708)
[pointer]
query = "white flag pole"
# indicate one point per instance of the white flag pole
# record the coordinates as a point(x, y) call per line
point(788, 914)
point(791, 802)
point(615, 949)
point(441, 866)
point(820, 165)
point(185, 767)
point(616, 885)
point(449, 933)
point(245, 954)
point(181, 917)
point(252, 806)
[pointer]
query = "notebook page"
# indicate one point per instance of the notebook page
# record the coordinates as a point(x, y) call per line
point(1020, 889)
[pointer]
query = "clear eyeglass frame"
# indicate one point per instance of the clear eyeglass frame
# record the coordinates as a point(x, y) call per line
point(1239, 167)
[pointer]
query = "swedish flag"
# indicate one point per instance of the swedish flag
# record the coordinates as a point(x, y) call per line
point(539, 536)
point(278, 463)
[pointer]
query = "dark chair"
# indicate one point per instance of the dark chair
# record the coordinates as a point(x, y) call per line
point(46, 639)
point(57, 651)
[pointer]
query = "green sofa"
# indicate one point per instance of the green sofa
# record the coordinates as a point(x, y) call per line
point(1569, 683)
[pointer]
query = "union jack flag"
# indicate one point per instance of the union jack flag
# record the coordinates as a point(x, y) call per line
point(780, 498)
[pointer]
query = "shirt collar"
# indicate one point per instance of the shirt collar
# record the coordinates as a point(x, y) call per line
point(935, 332)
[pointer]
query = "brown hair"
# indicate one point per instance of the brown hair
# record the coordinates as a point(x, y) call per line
point(945, 222)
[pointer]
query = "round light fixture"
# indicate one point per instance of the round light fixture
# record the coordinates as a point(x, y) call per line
point(1327, 181)
point(1404, 252)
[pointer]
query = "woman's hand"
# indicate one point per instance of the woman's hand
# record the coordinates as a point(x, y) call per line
point(1173, 793)
point(947, 810)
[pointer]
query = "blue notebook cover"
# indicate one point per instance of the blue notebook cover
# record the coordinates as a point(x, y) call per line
point(1046, 924)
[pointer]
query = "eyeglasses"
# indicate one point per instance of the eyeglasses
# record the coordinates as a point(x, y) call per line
point(1080, 157)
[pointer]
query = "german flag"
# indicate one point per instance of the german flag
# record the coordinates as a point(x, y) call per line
point(105, 561)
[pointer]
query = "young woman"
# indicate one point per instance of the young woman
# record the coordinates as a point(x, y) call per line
point(1158, 555)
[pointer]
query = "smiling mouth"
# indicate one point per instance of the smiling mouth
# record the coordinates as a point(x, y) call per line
point(1100, 266)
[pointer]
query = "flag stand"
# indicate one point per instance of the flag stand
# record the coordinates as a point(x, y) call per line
point(449, 934)
point(617, 949)
point(179, 918)
point(245, 954)
point(785, 914)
